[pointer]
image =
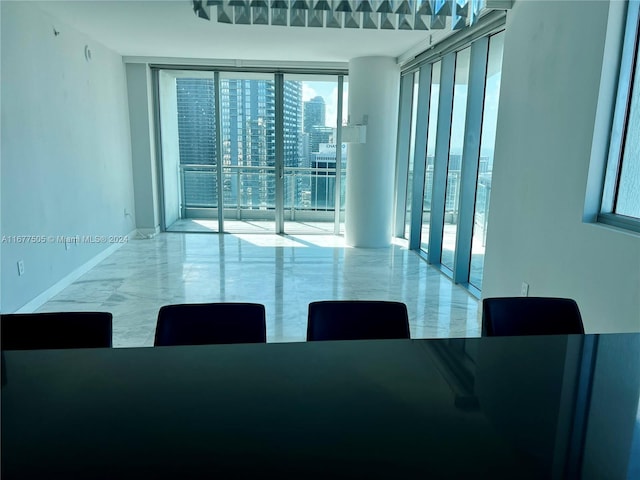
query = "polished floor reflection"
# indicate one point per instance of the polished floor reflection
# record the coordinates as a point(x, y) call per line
point(284, 273)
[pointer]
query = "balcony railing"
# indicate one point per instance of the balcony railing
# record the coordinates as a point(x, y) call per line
point(249, 192)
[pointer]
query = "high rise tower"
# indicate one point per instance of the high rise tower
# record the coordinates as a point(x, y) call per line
point(314, 113)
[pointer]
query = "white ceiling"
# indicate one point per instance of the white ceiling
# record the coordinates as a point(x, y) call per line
point(169, 28)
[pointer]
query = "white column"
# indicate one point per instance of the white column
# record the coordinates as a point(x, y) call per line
point(374, 84)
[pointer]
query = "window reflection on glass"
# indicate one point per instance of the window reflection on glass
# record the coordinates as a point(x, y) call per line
point(458, 118)
point(485, 166)
point(431, 152)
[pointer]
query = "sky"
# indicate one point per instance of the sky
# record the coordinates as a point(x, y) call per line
point(328, 91)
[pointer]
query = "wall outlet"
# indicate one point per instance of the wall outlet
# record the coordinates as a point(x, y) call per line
point(524, 289)
point(20, 267)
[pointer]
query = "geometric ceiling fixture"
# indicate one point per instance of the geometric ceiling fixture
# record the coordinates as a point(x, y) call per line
point(279, 16)
point(352, 14)
point(370, 20)
point(298, 17)
point(225, 14)
point(388, 21)
point(316, 18)
point(459, 14)
point(334, 19)
point(438, 22)
point(352, 19)
point(405, 22)
point(260, 15)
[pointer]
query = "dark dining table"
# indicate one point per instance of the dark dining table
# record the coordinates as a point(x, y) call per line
point(511, 407)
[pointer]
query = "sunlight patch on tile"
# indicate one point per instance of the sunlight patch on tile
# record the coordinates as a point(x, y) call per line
point(326, 241)
point(269, 240)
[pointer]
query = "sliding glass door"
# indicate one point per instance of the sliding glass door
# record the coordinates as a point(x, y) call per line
point(248, 151)
point(314, 156)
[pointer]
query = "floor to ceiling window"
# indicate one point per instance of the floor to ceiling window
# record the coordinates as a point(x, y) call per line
point(251, 151)
point(485, 165)
point(454, 164)
point(452, 151)
point(314, 163)
point(412, 143)
point(409, 87)
point(247, 118)
point(432, 127)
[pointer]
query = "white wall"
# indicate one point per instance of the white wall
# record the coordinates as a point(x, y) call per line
point(66, 155)
point(143, 152)
point(551, 75)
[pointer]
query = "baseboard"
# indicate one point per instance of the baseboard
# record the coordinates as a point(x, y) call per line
point(52, 291)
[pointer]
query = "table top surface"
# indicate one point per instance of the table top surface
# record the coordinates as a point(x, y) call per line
point(541, 407)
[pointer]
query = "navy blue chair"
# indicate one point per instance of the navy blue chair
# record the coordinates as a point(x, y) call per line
point(33, 331)
point(211, 323)
point(506, 316)
point(357, 320)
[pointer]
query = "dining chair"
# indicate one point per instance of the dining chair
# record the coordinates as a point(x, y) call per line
point(357, 320)
point(505, 316)
point(34, 331)
point(210, 323)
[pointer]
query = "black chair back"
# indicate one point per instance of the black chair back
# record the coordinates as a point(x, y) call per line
point(530, 316)
point(211, 323)
point(33, 331)
point(357, 320)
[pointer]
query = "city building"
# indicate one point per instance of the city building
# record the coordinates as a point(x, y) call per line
point(323, 185)
point(247, 117)
point(314, 113)
point(197, 139)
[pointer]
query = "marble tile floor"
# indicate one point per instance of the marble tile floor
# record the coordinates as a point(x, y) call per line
point(283, 272)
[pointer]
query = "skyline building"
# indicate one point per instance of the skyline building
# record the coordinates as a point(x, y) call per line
point(247, 125)
point(314, 113)
point(197, 139)
point(323, 184)
point(314, 124)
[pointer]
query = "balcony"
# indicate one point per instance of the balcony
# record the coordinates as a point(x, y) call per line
point(249, 195)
